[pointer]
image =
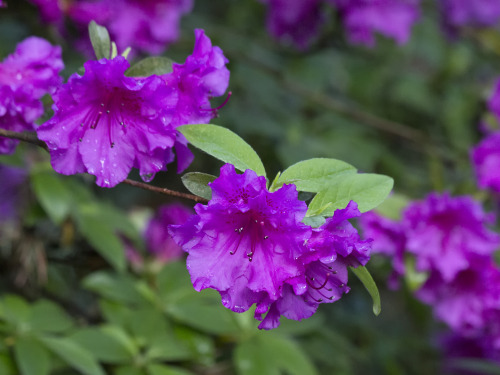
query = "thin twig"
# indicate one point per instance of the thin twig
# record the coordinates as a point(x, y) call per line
point(160, 190)
point(28, 137)
point(32, 138)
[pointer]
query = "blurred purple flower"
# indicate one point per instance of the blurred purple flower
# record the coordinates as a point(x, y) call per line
point(465, 302)
point(25, 76)
point(388, 239)
point(246, 241)
point(106, 123)
point(391, 18)
point(448, 234)
point(294, 21)
point(333, 247)
point(158, 240)
point(486, 159)
point(11, 179)
point(144, 25)
point(470, 13)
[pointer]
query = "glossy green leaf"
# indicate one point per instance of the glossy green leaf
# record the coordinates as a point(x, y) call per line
point(224, 145)
point(47, 316)
point(149, 66)
point(367, 190)
point(109, 344)
point(99, 37)
point(128, 370)
point(313, 175)
point(368, 282)
point(31, 357)
point(271, 355)
point(53, 194)
point(197, 183)
point(74, 355)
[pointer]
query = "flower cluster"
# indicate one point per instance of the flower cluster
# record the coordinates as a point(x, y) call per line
point(145, 25)
point(450, 241)
point(251, 246)
point(25, 76)
point(106, 123)
point(486, 155)
point(299, 21)
point(458, 13)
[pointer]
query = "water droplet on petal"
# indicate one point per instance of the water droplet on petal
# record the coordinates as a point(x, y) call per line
point(147, 177)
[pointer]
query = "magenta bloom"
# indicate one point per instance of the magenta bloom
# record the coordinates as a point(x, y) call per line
point(448, 234)
point(25, 76)
point(389, 240)
point(465, 302)
point(333, 247)
point(391, 18)
point(294, 21)
point(246, 242)
point(470, 13)
point(105, 123)
point(202, 76)
point(158, 240)
point(486, 159)
point(11, 179)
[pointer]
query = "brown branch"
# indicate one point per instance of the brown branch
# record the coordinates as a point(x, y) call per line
point(166, 191)
point(28, 137)
point(32, 138)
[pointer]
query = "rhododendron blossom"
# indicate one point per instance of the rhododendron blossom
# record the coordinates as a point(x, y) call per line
point(448, 234)
point(486, 159)
point(391, 18)
point(25, 76)
point(470, 13)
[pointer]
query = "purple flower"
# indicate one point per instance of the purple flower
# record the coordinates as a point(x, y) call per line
point(448, 234)
point(391, 18)
point(25, 76)
point(246, 241)
point(202, 76)
point(295, 21)
point(158, 240)
point(51, 11)
point(470, 13)
point(333, 247)
point(389, 239)
point(12, 179)
point(465, 302)
point(105, 123)
point(486, 159)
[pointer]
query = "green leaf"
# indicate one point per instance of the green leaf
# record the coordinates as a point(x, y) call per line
point(116, 287)
point(313, 175)
point(314, 221)
point(367, 280)
point(15, 309)
point(128, 370)
point(7, 366)
point(99, 37)
point(74, 355)
point(109, 344)
point(150, 65)
point(197, 183)
point(31, 357)
point(46, 316)
point(271, 355)
point(101, 234)
point(367, 190)
point(155, 369)
point(224, 145)
point(53, 195)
